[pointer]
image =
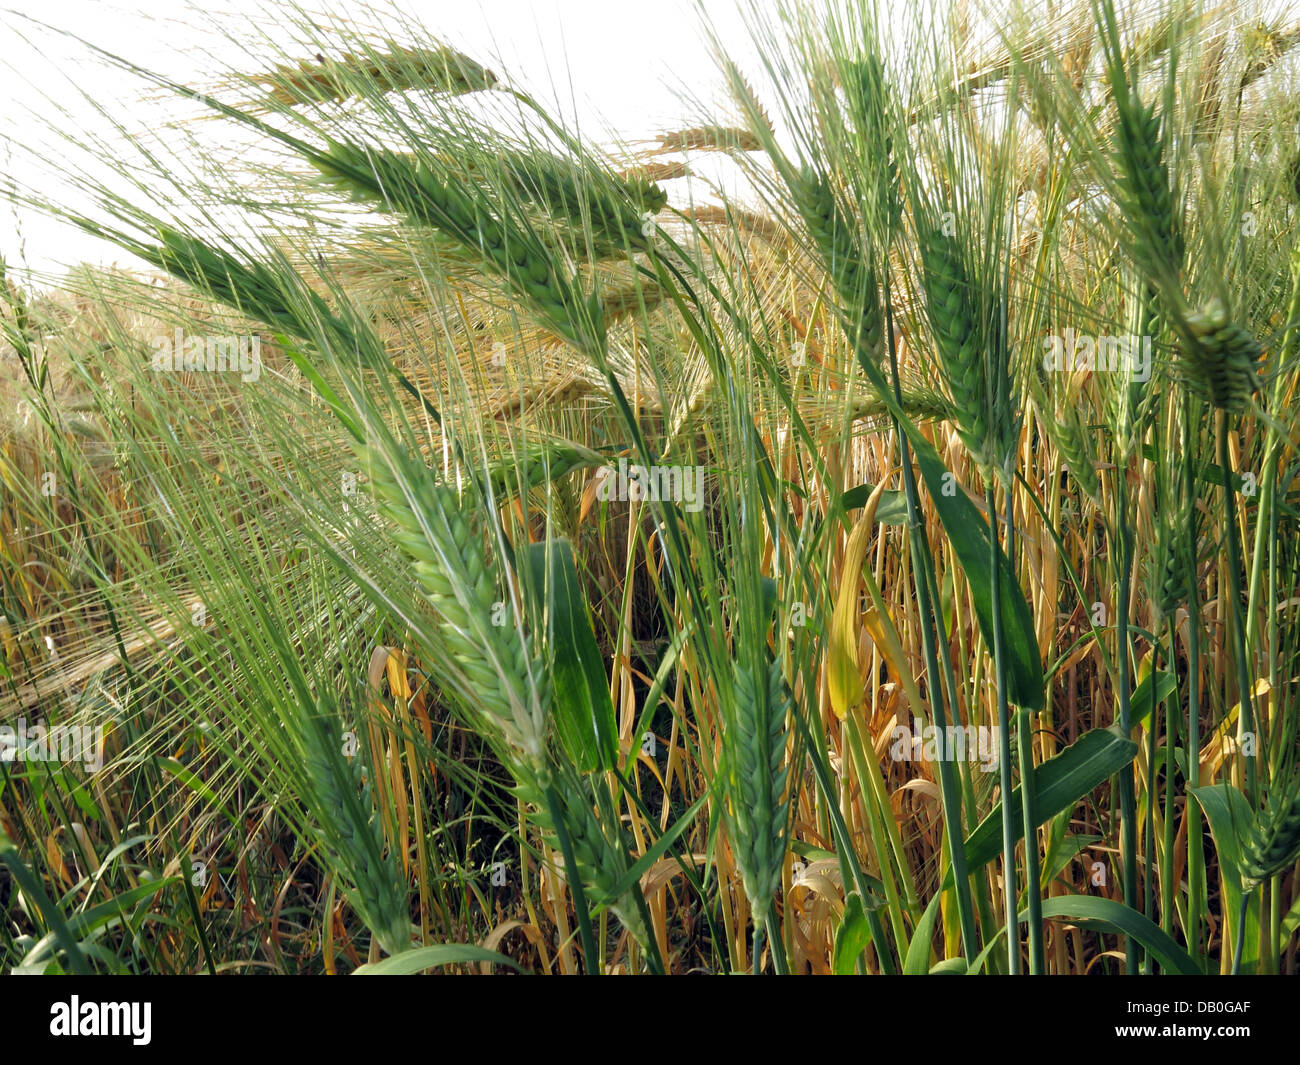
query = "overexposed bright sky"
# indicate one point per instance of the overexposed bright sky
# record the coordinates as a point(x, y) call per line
point(624, 65)
point(613, 63)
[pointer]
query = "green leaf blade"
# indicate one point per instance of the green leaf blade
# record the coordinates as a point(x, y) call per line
point(582, 708)
point(1060, 782)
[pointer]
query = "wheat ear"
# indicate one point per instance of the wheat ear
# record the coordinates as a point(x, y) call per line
point(1068, 434)
point(428, 195)
point(397, 69)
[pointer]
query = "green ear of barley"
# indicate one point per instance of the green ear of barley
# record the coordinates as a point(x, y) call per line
point(1218, 359)
point(608, 207)
point(759, 809)
point(868, 95)
point(1146, 197)
point(1170, 572)
point(250, 288)
point(921, 406)
point(260, 292)
point(447, 559)
point(352, 834)
point(1067, 434)
point(601, 861)
point(428, 197)
point(957, 335)
point(1272, 843)
point(834, 235)
point(538, 462)
point(500, 666)
point(398, 69)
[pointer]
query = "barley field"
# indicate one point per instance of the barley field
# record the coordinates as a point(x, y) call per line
point(856, 531)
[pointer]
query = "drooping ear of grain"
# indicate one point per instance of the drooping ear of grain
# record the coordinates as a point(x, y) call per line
point(277, 297)
point(395, 69)
point(429, 196)
point(1218, 359)
point(1067, 433)
point(920, 406)
point(510, 687)
point(1272, 843)
point(610, 208)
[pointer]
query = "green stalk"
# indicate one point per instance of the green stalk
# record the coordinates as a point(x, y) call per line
point(779, 961)
point(869, 774)
point(1128, 827)
point(1196, 902)
point(1271, 916)
point(1246, 716)
point(923, 564)
point(1009, 892)
point(1167, 840)
point(1028, 792)
point(983, 898)
point(850, 870)
point(1241, 931)
point(1272, 943)
point(1149, 832)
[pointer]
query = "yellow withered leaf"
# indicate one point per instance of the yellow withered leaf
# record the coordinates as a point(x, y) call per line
point(843, 676)
point(1222, 742)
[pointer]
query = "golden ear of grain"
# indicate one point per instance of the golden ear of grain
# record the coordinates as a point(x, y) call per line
point(748, 222)
point(558, 392)
point(632, 296)
point(709, 139)
point(653, 172)
point(1265, 47)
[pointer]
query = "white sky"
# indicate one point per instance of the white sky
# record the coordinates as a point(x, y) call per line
point(625, 63)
